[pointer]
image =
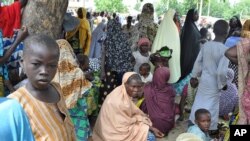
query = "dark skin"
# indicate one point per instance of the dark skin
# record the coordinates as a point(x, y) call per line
point(22, 34)
point(144, 50)
point(85, 66)
point(135, 89)
point(204, 121)
point(40, 65)
point(144, 71)
point(231, 54)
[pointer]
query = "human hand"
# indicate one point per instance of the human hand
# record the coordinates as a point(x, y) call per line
point(194, 82)
point(89, 76)
point(157, 133)
point(22, 34)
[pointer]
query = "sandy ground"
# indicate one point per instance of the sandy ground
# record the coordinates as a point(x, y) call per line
point(180, 127)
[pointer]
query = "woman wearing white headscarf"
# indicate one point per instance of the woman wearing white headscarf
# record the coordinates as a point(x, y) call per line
point(168, 35)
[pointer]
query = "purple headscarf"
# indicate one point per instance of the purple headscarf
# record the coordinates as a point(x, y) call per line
point(159, 101)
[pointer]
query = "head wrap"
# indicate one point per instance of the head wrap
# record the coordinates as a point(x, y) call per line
point(144, 41)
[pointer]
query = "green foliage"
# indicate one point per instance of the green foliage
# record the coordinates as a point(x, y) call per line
point(110, 6)
point(137, 6)
point(218, 8)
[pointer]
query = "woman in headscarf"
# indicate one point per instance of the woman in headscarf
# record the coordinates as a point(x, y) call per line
point(233, 40)
point(245, 33)
point(235, 25)
point(190, 45)
point(116, 58)
point(74, 87)
point(145, 27)
point(159, 101)
point(228, 98)
point(129, 29)
point(120, 119)
point(80, 38)
point(168, 35)
point(98, 36)
point(240, 55)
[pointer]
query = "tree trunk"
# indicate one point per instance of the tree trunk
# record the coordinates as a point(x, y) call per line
point(200, 9)
point(209, 6)
point(45, 16)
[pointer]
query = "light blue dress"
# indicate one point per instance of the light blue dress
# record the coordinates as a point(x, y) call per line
point(197, 131)
point(14, 122)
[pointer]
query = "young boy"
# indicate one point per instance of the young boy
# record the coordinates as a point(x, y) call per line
point(145, 73)
point(41, 99)
point(202, 123)
point(211, 68)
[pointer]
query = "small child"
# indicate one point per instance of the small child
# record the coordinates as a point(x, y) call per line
point(145, 73)
point(202, 124)
point(187, 97)
point(205, 35)
point(41, 98)
point(143, 54)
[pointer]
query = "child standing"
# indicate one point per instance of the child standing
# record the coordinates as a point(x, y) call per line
point(202, 123)
point(142, 55)
point(211, 67)
point(145, 73)
point(40, 98)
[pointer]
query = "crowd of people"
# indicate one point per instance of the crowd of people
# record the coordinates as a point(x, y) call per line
point(104, 81)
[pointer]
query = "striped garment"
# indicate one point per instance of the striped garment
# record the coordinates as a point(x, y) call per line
point(45, 118)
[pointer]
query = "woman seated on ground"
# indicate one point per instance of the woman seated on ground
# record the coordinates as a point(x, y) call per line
point(120, 119)
point(159, 101)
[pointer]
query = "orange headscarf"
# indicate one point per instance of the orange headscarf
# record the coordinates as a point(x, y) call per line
point(120, 119)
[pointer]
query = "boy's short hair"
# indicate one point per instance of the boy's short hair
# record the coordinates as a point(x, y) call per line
point(82, 58)
point(221, 27)
point(200, 112)
point(203, 32)
point(146, 65)
point(37, 39)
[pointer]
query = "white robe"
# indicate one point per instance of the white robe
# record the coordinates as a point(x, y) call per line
point(211, 66)
point(168, 35)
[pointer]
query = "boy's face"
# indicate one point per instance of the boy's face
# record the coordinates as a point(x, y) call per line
point(204, 122)
point(144, 71)
point(40, 65)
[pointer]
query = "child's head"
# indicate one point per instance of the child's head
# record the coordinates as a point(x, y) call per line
point(221, 28)
point(40, 60)
point(83, 61)
point(144, 69)
point(204, 33)
point(203, 119)
point(144, 45)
